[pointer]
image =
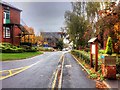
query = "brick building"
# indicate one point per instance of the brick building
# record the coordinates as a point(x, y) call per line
point(10, 28)
point(50, 38)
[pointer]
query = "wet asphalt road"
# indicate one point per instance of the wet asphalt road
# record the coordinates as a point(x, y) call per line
point(73, 76)
point(26, 62)
point(38, 76)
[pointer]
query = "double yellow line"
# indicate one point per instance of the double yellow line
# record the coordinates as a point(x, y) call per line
point(55, 79)
point(55, 75)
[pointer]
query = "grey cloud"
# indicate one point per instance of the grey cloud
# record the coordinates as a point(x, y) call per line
point(43, 15)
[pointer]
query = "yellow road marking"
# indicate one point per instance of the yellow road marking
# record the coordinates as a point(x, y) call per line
point(12, 69)
point(60, 81)
point(12, 74)
point(55, 74)
point(54, 82)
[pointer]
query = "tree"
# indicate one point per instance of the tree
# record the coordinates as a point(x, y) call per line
point(39, 40)
point(92, 9)
point(109, 23)
point(80, 27)
point(76, 27)
point(59, 44)
point(109, 46)
point(30, 37)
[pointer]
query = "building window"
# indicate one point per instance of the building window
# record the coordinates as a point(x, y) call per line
point(6, 32)
point(6, 16)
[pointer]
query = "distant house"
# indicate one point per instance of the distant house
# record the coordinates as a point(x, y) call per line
point(10, 28)
point(51, 38)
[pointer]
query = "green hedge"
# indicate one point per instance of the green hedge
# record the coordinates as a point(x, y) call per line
point(82, 55)
point(9, 48)
point(101, 51)
point(86, 57)
point(32, 49)
point(45, 49)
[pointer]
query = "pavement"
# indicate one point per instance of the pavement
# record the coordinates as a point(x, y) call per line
point(113, 84)
point(73, 76)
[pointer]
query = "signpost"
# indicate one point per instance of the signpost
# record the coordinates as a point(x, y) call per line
point(94, 51)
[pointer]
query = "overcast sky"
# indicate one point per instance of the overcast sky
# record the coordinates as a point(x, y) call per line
point(43, 16)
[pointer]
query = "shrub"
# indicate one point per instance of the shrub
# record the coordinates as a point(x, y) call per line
point(82, 55)
point(101, 77)
point(109, 46)
point(45, 49)
point(9, 48)
point(101, 51)
point(87, 49)
point(7, 44)
point(20, 50)
point(32, 49)
point(93, 76)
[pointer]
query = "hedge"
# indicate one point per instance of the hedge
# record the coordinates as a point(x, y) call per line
point(9, 48)
point(45, 49)
point(82, 55)
point(86, 57)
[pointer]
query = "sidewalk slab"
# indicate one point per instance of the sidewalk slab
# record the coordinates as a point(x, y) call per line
point(74, 76)
point(114, 84)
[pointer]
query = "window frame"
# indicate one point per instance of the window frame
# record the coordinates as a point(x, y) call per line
point(6, 32)
point(6, 15)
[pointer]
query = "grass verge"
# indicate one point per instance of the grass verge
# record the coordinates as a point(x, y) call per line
point(17, 56)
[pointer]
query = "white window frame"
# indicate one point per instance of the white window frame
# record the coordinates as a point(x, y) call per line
point(6, 32)
point(5, 16)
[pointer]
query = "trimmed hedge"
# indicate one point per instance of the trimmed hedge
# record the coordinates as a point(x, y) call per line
point(86, 57)
point(9, 48)
point(101, 51)
point(32, 49)
point(82, 55)
point(45, 49)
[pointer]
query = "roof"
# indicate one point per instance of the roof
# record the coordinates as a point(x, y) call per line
point(51, 34)
point(92, 40)
point(9, 5)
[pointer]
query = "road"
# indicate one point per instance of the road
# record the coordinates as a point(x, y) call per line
point(40, 74)
point(21, 63)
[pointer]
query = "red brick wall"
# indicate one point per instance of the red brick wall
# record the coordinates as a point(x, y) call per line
point(14, 16)
point(16, 39)
point(0, 23)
